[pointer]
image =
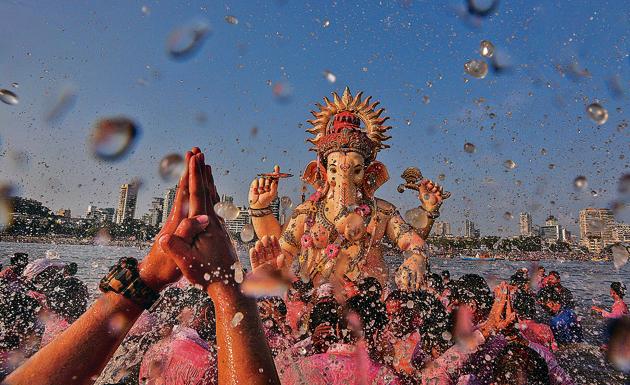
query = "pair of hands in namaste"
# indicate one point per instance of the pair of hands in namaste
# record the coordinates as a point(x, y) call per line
point(193, 240)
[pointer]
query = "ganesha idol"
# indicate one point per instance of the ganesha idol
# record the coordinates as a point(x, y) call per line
point(337, 234)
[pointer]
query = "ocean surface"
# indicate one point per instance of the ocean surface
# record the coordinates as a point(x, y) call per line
point(589, 282)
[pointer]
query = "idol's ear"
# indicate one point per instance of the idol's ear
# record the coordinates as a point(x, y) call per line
point(314, 174)
point(376, 175)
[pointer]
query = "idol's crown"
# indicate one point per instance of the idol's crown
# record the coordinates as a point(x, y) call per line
point(337, 126)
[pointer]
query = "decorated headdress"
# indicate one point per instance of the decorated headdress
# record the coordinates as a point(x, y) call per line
point(337, 126)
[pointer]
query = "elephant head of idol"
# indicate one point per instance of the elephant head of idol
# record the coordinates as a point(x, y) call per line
point(348, 133)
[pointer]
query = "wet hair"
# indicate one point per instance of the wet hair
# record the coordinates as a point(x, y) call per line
point(549, 294)
point(170, 305)
point(435, 281)
point(324, 312)
point(68, 298)
point(208, 328)
point(72, 268)
point(446, 274)
point(518, 364)
point(436, 322)
point(524, 304)
point(555, 274)
point(276, 302)
point(473, 287)
point(19, 260)
point(18, 315)
point(371, 311)
point(519, 279)
point(618, 288)
point(370, 286)
point(304, 289)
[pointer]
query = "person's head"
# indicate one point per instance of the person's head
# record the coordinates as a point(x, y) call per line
point(325, 314)
point(472, 291)
point(517, 364)
point(446, 276)
point(200, 317)
point(300, 291)
point(520, 280)
point(67, 299)
point(524, 304)
point(371, 312)
point(433, 323)
point(170, 305)
point(553, 278)
point(71, 268)
point(399, 306)
point(18, 316)
point(617, 289)
point(540, 271)
point(370, 286)
point(19, 262)
point(550, 299)
point(435, 283)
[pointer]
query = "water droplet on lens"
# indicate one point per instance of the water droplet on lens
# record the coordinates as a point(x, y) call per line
point(15, 85)
point(594, 193)
point(282, 92)
point(619, 255)
point(171, 167)
point(227, 210)
point(543, 151)
point(247, 233)
point(112, 138)
point(185, 41)
point(416, 217)
point(64, 102)
point(238, 317)
point(206, 277)
point(597, 113)
point(145, 10)
point(8, 97)
point(509, 164)
point(476, 68)
point(326, 23)
point(486, 48)
point(469, 147)
point(481, 7)
point(231, 19)
point(330, 76)
point(102, 237)
point(286, 202)
point(507, 216)
point(441, 177)
point(580, 182)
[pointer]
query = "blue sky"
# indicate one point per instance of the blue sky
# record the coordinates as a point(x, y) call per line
point(112, 54)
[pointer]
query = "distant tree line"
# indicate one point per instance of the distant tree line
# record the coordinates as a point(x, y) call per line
point(32, 218)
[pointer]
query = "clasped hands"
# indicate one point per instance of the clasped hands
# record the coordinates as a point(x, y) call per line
point(193, 240)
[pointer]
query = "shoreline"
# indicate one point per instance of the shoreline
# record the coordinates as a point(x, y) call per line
point(522, 256)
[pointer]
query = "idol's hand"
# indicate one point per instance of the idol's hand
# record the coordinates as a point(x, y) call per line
point(158, 269)
point(266, 256)
point(200, 246)
point(410, 276)
point(263, 191)
point(430, 195)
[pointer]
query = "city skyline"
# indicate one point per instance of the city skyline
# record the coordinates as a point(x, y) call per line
point(245, 95)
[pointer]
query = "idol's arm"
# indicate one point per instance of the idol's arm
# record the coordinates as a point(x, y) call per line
point(414, 267)
point(266, 225)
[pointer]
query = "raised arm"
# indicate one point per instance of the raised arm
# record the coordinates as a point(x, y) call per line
point(78, 355)
point(206, 256)
point(262, 193)
point(411, 273)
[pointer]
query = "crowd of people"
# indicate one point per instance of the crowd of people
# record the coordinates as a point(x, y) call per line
point(203, 330)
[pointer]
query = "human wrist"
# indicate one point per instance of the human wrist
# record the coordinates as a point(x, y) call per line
point(260, 212)
point(223, 293)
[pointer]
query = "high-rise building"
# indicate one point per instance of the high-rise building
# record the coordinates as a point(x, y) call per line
point(469, 229)
point(90, 212)
point(551, 221)
point(596, 228)
point(167, 205)
point(275, 208)
point(550, 233)
point(525, 221)
point(155, 211)
point(621, 232)
point(441, 229)
point(105, 214)
point(127, 202)
point(235, 226)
